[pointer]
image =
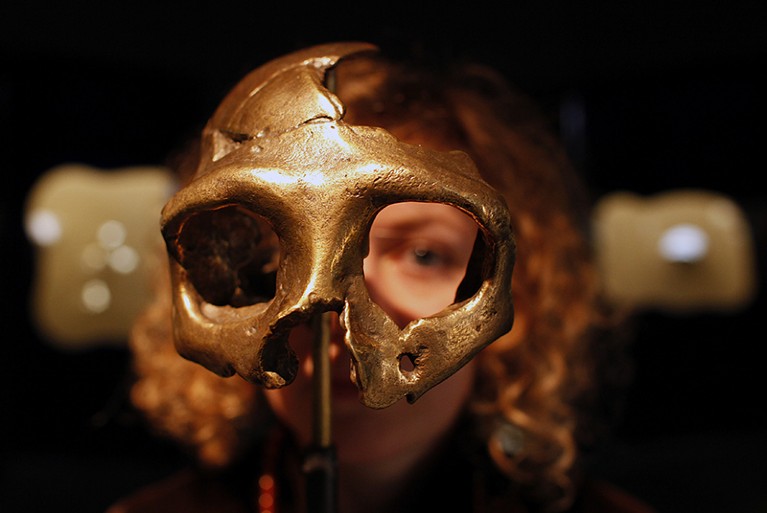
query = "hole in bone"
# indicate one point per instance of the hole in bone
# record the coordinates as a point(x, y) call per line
point(422, 258)
point(407, 363)
point(231, 256)
point(225, 142)
point(280, 363)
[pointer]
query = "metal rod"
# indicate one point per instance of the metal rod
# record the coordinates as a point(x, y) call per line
point(321, 381)
point(320, 466)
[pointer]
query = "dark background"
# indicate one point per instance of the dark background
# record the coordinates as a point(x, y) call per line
point(672, 98)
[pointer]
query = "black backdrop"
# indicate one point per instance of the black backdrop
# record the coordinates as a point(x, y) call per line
point(672, 97)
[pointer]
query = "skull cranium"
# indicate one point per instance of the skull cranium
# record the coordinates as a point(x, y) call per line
point(273, 230)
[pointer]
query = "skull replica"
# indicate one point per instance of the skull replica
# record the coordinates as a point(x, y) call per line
point(273, 230)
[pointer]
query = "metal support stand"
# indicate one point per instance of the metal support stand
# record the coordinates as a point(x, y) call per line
point(320, 466)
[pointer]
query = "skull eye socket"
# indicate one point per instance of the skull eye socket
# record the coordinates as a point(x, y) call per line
point(231, 256)
point(422, 258)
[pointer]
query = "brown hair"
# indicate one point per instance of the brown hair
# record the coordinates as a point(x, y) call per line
point(531, 378)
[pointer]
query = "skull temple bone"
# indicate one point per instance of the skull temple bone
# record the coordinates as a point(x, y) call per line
point(273, 230)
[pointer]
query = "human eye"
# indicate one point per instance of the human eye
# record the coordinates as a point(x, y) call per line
point(418, 255)
point(426, 257)
point(422, 258)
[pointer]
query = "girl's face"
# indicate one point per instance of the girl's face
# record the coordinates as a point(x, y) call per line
point(418, 257)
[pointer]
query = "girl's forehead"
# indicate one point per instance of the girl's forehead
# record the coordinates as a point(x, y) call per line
point(418, 213)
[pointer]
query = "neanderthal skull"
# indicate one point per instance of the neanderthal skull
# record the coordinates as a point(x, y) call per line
point(273, 230)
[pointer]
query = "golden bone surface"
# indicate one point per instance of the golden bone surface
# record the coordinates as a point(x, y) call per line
point(282, 175)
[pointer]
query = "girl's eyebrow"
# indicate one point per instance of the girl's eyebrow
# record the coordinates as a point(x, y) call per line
point(402, 225)
point(450, 225)
point(412, 220)
point(440, 232)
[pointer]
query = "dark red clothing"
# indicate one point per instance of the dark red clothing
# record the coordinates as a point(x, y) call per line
point(460, 478)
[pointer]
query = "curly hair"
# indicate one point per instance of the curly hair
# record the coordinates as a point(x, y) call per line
point(535, 377)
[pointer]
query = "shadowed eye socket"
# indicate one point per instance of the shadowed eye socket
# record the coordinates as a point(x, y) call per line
point(231, 256)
